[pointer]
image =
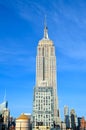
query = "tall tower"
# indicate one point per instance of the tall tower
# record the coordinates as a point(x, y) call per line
point(73, 119)
point(66, 117)
point(45, 102)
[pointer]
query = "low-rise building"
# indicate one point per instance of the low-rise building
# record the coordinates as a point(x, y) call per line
point(23, 122)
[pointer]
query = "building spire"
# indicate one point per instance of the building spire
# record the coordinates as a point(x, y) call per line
point(45, 29)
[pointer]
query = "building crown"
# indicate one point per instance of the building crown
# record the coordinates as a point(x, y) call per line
point(45, 40)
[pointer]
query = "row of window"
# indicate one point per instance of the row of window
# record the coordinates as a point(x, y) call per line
point(46, 51)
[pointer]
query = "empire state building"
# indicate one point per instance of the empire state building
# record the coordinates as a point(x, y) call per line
point(45, 100)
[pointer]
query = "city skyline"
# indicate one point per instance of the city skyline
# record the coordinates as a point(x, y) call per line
point(21, 27)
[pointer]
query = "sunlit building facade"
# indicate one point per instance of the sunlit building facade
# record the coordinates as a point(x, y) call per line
point(3, 106)
point(45, 100)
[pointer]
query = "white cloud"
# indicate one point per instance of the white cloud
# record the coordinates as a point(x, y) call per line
point(14, 56)
point(71, 48)
point(77, 52)
point(27, 9)
point(74, 12)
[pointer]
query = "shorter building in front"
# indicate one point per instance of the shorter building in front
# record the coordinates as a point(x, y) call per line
point(23, 122)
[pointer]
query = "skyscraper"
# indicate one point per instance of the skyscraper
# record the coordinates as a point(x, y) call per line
point(66, 117)
point(73, 119)
point(45, 102)
point(4, 114)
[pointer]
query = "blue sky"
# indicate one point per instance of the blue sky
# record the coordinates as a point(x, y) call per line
point(21, 27)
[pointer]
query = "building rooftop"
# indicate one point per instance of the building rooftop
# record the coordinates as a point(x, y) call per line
point(23, 117)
